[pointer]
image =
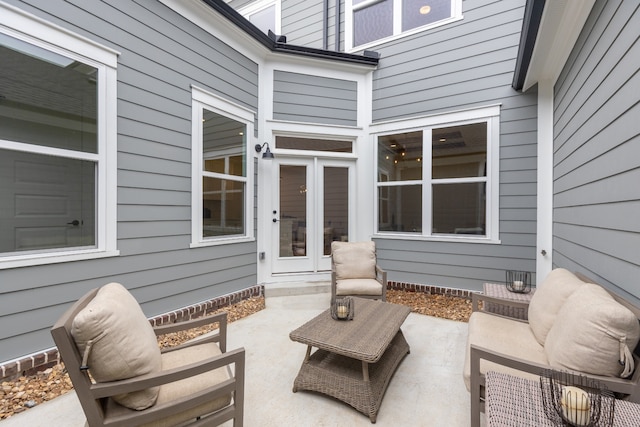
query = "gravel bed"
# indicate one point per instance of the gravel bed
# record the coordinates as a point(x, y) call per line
point(26, 392)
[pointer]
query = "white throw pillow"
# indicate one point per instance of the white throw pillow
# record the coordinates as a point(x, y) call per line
point(593, 334)
point(354, 260)
point(124, 343)
point(545, 303)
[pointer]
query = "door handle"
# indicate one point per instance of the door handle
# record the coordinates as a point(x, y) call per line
point(75, 223)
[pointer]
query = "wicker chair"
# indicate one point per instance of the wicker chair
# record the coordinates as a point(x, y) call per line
point(354, 271)
point(122, 378)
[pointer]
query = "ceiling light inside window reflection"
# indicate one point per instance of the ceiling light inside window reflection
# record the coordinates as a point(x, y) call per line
point(425, 10)
point(443, 139)
point(241, 133)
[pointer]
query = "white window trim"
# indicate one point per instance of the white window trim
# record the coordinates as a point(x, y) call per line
point(261, 5)
point(456, 15)
point(490, 114)
point(39, 32)
point(202, 99)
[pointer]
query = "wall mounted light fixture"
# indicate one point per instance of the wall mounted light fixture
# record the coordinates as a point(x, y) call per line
point(267, 153)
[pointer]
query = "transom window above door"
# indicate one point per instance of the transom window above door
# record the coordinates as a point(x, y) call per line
point(372, 21)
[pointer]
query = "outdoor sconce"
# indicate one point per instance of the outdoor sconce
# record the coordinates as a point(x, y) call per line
point(267, 153)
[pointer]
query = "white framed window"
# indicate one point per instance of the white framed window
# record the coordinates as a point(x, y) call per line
point(57, 143)
point(222, 197)
point(370, 22)
point(264, 14)
point(437, 177)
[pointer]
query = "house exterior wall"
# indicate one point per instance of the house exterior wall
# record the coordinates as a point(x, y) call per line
point(596, 150)
point(162, 55)
point(314, 99)
point(463, 65)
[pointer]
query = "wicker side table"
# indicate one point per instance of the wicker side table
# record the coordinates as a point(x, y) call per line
point(517, 402)
point(498, 290)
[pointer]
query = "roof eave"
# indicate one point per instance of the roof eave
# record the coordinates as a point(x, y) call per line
point(243, 24)
point(530, 27)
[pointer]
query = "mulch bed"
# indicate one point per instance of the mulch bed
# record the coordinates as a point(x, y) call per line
point(26, 392)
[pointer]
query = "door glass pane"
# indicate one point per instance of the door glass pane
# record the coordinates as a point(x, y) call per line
point(47, 202)
point(336, 206)
point(222, 207)
point(293, 210)
point(460, 151)
point(47, 99)
point(400, 208)
point(459, 208)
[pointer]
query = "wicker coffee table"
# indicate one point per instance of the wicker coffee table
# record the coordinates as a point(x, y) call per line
point(355, 359)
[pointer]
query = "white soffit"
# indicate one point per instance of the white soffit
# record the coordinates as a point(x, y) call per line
point(561, 24)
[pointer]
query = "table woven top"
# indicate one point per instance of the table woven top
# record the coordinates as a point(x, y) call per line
point(366, 337)
point(517, 402)
point(500, 290)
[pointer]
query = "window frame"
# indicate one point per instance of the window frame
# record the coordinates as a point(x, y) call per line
point(350, 9)
point(261, 5)
point(51, 37)
point(202, 99)
point(490, 115)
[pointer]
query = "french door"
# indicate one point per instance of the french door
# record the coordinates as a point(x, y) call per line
point(312, 207)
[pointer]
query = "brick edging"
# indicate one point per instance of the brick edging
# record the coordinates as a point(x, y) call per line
point(33, 363)
point(429, 289)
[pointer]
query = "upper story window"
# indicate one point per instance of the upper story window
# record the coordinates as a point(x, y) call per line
point(440, 180)
point(264, 14)
point(222, 197)
point(373, 21)
point(57, 144)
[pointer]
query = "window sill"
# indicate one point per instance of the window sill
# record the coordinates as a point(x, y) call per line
point(222, 241)
point(447, 239)
point(54, 258)
point(375, 43)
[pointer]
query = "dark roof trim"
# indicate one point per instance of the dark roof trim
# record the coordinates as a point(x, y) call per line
point(530, 26)
point(241, 22)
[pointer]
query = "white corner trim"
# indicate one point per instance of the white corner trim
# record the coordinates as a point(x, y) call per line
point(544, 215)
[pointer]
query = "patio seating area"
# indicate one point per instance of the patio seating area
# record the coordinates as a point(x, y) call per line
point(426, 386)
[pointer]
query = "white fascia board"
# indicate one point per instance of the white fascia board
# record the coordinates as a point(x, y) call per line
point(218, 26)
point(562, 22)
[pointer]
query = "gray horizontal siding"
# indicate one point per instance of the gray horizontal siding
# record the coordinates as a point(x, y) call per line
point(596, 151)
point(302, 22)
point(463, 65)
point(162, 54)
point(314, 99)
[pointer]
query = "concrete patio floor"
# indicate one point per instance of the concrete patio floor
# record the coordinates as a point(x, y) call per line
point(426, 390)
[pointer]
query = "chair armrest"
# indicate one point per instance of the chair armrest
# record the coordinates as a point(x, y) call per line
point(476, 297)
point(616, 385)
point(381, 276)
point(219, 337)
point(155, 379)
